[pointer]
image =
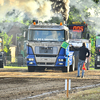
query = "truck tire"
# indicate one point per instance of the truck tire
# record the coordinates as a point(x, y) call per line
point(31, 68)
point(64, 69)
point(96, 66)
point(72, 67)
point(1, 64)
point(40, 69)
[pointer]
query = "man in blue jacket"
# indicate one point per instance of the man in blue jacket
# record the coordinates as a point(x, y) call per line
point(83, 54)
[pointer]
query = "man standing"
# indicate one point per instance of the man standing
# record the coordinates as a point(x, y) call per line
point(83, 53)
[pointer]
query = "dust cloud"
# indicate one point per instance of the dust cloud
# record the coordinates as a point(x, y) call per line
point(40, 9)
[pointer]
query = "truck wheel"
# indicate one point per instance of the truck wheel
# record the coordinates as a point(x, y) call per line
point(40, 69)
point(31, 68)
point(95, 66)
point(72, 67)
point(64, 69)
point(1, 64)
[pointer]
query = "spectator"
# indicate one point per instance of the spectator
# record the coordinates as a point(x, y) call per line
point(83, 53)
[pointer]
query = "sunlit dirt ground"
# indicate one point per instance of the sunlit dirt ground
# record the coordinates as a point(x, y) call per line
point(18, 84)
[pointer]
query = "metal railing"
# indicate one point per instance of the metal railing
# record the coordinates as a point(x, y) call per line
point(15, 61)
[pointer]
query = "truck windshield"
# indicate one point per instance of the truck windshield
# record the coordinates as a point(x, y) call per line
point(97, 41)
point(46, 35)
point(75, 34)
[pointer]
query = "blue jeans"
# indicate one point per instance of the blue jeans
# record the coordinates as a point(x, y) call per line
point(80, 63)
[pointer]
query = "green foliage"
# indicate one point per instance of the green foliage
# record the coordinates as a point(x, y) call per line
point(27, 23)
point(56, 20)
point(16, 19)
point(74, 15)
point(92, 39)
point(96, 1)
point(6, 21)
point(6, 42)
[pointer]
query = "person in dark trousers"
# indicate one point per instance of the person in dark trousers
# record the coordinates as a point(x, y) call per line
point(83, 54)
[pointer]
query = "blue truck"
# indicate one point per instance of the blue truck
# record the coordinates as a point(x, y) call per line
point(44, 48)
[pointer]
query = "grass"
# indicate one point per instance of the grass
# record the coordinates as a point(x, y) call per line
point(21, 67)
point(91, 68)
point(17, 67)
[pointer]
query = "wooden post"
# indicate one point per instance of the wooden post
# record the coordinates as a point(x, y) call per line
point(67, 87)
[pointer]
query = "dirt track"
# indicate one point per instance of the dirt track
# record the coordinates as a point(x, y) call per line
point(17, 84)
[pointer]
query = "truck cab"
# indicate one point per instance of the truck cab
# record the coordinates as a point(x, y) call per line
point(44, 47)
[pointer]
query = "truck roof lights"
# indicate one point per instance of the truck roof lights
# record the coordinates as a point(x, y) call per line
point(84, 22)
point(60, 23)
point(34, 23)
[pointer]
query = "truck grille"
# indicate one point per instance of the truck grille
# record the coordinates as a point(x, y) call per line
point(42, 63)
point(46, 55)
point(46, 50)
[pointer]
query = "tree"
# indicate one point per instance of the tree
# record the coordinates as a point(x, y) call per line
point(74, 15)
point(96, 1)
point(56, 20)
point(92, 39)
point(6, 42)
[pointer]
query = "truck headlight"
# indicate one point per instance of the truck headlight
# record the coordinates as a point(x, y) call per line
point(98, 58)
point(60, 63)
point(60, 59)
point(30, 62)
point(30, 59)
